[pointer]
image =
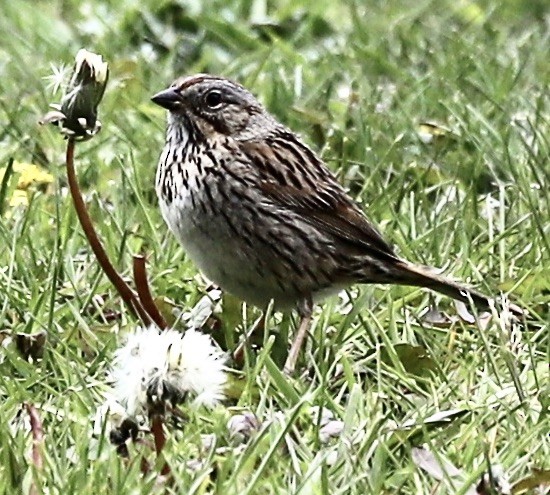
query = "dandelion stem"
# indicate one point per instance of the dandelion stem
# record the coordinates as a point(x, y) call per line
point(157, 428)
point(127, 294)
point(144, 293)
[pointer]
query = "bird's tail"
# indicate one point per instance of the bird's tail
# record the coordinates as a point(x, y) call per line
point(405, 273)
point(420, 276)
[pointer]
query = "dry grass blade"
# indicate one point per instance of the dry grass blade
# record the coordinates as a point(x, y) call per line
point(37, 432)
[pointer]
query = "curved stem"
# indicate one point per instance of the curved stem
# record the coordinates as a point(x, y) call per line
point(127, 294)
point(144, 293)
point(157, 428)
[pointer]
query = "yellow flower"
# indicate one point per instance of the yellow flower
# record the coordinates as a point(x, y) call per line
point(30, 176)
point(19, 198)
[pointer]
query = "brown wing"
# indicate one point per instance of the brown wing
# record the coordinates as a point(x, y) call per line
point(302, 183)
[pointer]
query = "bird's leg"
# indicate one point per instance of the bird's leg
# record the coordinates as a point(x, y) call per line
point(258, 326)
point(305, 309)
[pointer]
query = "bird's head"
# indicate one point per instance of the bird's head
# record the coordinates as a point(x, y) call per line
point(213, 105)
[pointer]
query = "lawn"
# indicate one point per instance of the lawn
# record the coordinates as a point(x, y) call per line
point(435, 115)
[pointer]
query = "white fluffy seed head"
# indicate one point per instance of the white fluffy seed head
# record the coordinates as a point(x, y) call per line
point(168, 360)
point(109, 415)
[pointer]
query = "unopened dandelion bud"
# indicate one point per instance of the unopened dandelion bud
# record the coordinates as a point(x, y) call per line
point(77, 114)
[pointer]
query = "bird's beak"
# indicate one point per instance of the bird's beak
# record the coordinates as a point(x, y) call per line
point(168, 98)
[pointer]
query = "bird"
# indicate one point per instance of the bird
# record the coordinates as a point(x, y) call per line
point(259, 212)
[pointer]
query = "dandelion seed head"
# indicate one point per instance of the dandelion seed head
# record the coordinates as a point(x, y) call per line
point(110, 413)
point(159, 365)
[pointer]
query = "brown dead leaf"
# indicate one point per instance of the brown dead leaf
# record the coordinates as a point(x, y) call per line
point(539, 478)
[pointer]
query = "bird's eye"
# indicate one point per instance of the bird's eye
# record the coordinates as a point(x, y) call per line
point(213, 99)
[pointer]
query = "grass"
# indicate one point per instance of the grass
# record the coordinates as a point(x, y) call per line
point(356, 81)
